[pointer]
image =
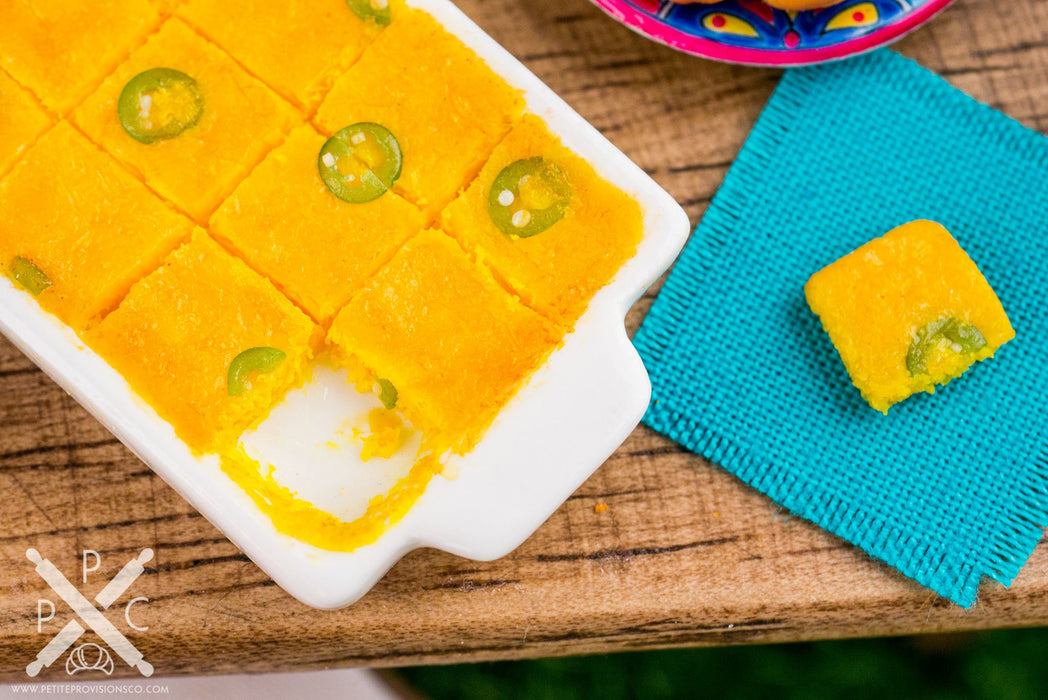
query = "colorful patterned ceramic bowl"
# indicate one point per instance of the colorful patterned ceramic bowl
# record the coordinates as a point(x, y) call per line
point(750, 32)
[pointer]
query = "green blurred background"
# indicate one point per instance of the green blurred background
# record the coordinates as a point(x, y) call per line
point(1002, 665)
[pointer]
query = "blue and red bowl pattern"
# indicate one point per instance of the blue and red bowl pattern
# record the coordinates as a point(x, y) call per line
point(749, 31)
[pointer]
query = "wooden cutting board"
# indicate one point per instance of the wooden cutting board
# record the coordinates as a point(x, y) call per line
point(683, 555)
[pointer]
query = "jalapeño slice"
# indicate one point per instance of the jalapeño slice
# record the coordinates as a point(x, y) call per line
point(387, 393)
point(528, 196)
point(158, 104)
point(26, 273)
point(377, 10)
point(359, 163)
point(262, 360)
point(962, 337)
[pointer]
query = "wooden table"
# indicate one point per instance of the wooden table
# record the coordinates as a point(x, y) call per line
point(684, 554)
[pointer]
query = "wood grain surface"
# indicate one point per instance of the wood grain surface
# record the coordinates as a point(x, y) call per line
point(683, 555)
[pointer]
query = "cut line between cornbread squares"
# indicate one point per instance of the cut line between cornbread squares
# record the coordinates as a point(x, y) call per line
point(241, 119)
point(557, 270)
point(22, 120)
point(177, 335)
point(445, 105)
point(62, 50)
point(908, 311)
point(317, 248)
point(268, 38)
point(77, 230)
point(439, 327)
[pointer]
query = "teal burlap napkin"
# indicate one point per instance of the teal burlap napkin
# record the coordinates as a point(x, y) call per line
point(947, 488)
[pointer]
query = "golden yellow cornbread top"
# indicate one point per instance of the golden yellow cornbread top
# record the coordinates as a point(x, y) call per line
point(557, 271)
point(241, 120)
point(453, 343)
point(317, 248)
point(88, 225)
point(296, 46)
point(444, 104)
point(874, 302)
point(61, 49)
point(175, 334)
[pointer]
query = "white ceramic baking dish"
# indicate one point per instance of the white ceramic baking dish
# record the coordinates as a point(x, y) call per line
point(569, 418)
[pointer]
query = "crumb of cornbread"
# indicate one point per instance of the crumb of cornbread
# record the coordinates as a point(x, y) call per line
point(316, 247)
point(61, 49)
point(21, 121)
point(175, 335)
point(875, 301)
point(445, 106)
point(558, 270)
point(92, 228)
point(387, 433)
point(454, 344)
point(270, 39)
point(241, 120)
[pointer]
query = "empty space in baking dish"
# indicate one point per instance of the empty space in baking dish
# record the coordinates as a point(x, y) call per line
point(313, 440)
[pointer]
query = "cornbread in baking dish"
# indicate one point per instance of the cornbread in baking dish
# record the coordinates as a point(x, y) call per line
point(76, 230)
point(908, 311)
point(61, 50)
point(317, 248)
point(454, 344)
point(239, 121)
point(177, 333)
point(593, 230)
point(296, 46)
point(235, 191)
point(446, 107)
point(22, 120)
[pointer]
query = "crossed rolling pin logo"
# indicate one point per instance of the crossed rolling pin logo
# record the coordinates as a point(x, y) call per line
point(89, 614)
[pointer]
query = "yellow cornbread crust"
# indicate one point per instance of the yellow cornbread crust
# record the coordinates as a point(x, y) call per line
point(242, 119)
point(178, 330)
point(557, 271)
point(268, 37)
point(900, 310)
point(60, 50)
point(319, 259)
point(454, 344)
point(447, 114)
point(304, 521)
point(98, 223)
point(89, 226)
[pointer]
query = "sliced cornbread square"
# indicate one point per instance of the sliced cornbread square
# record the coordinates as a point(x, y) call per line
point(208, 342)
point(908, 311)
point(318, 248)
point(62, 50)
point(78, 230)
point(452, 342)
point(445, 106)
point(548, 226)
point(239, 120)
point(297, 47)
point(21, 121)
